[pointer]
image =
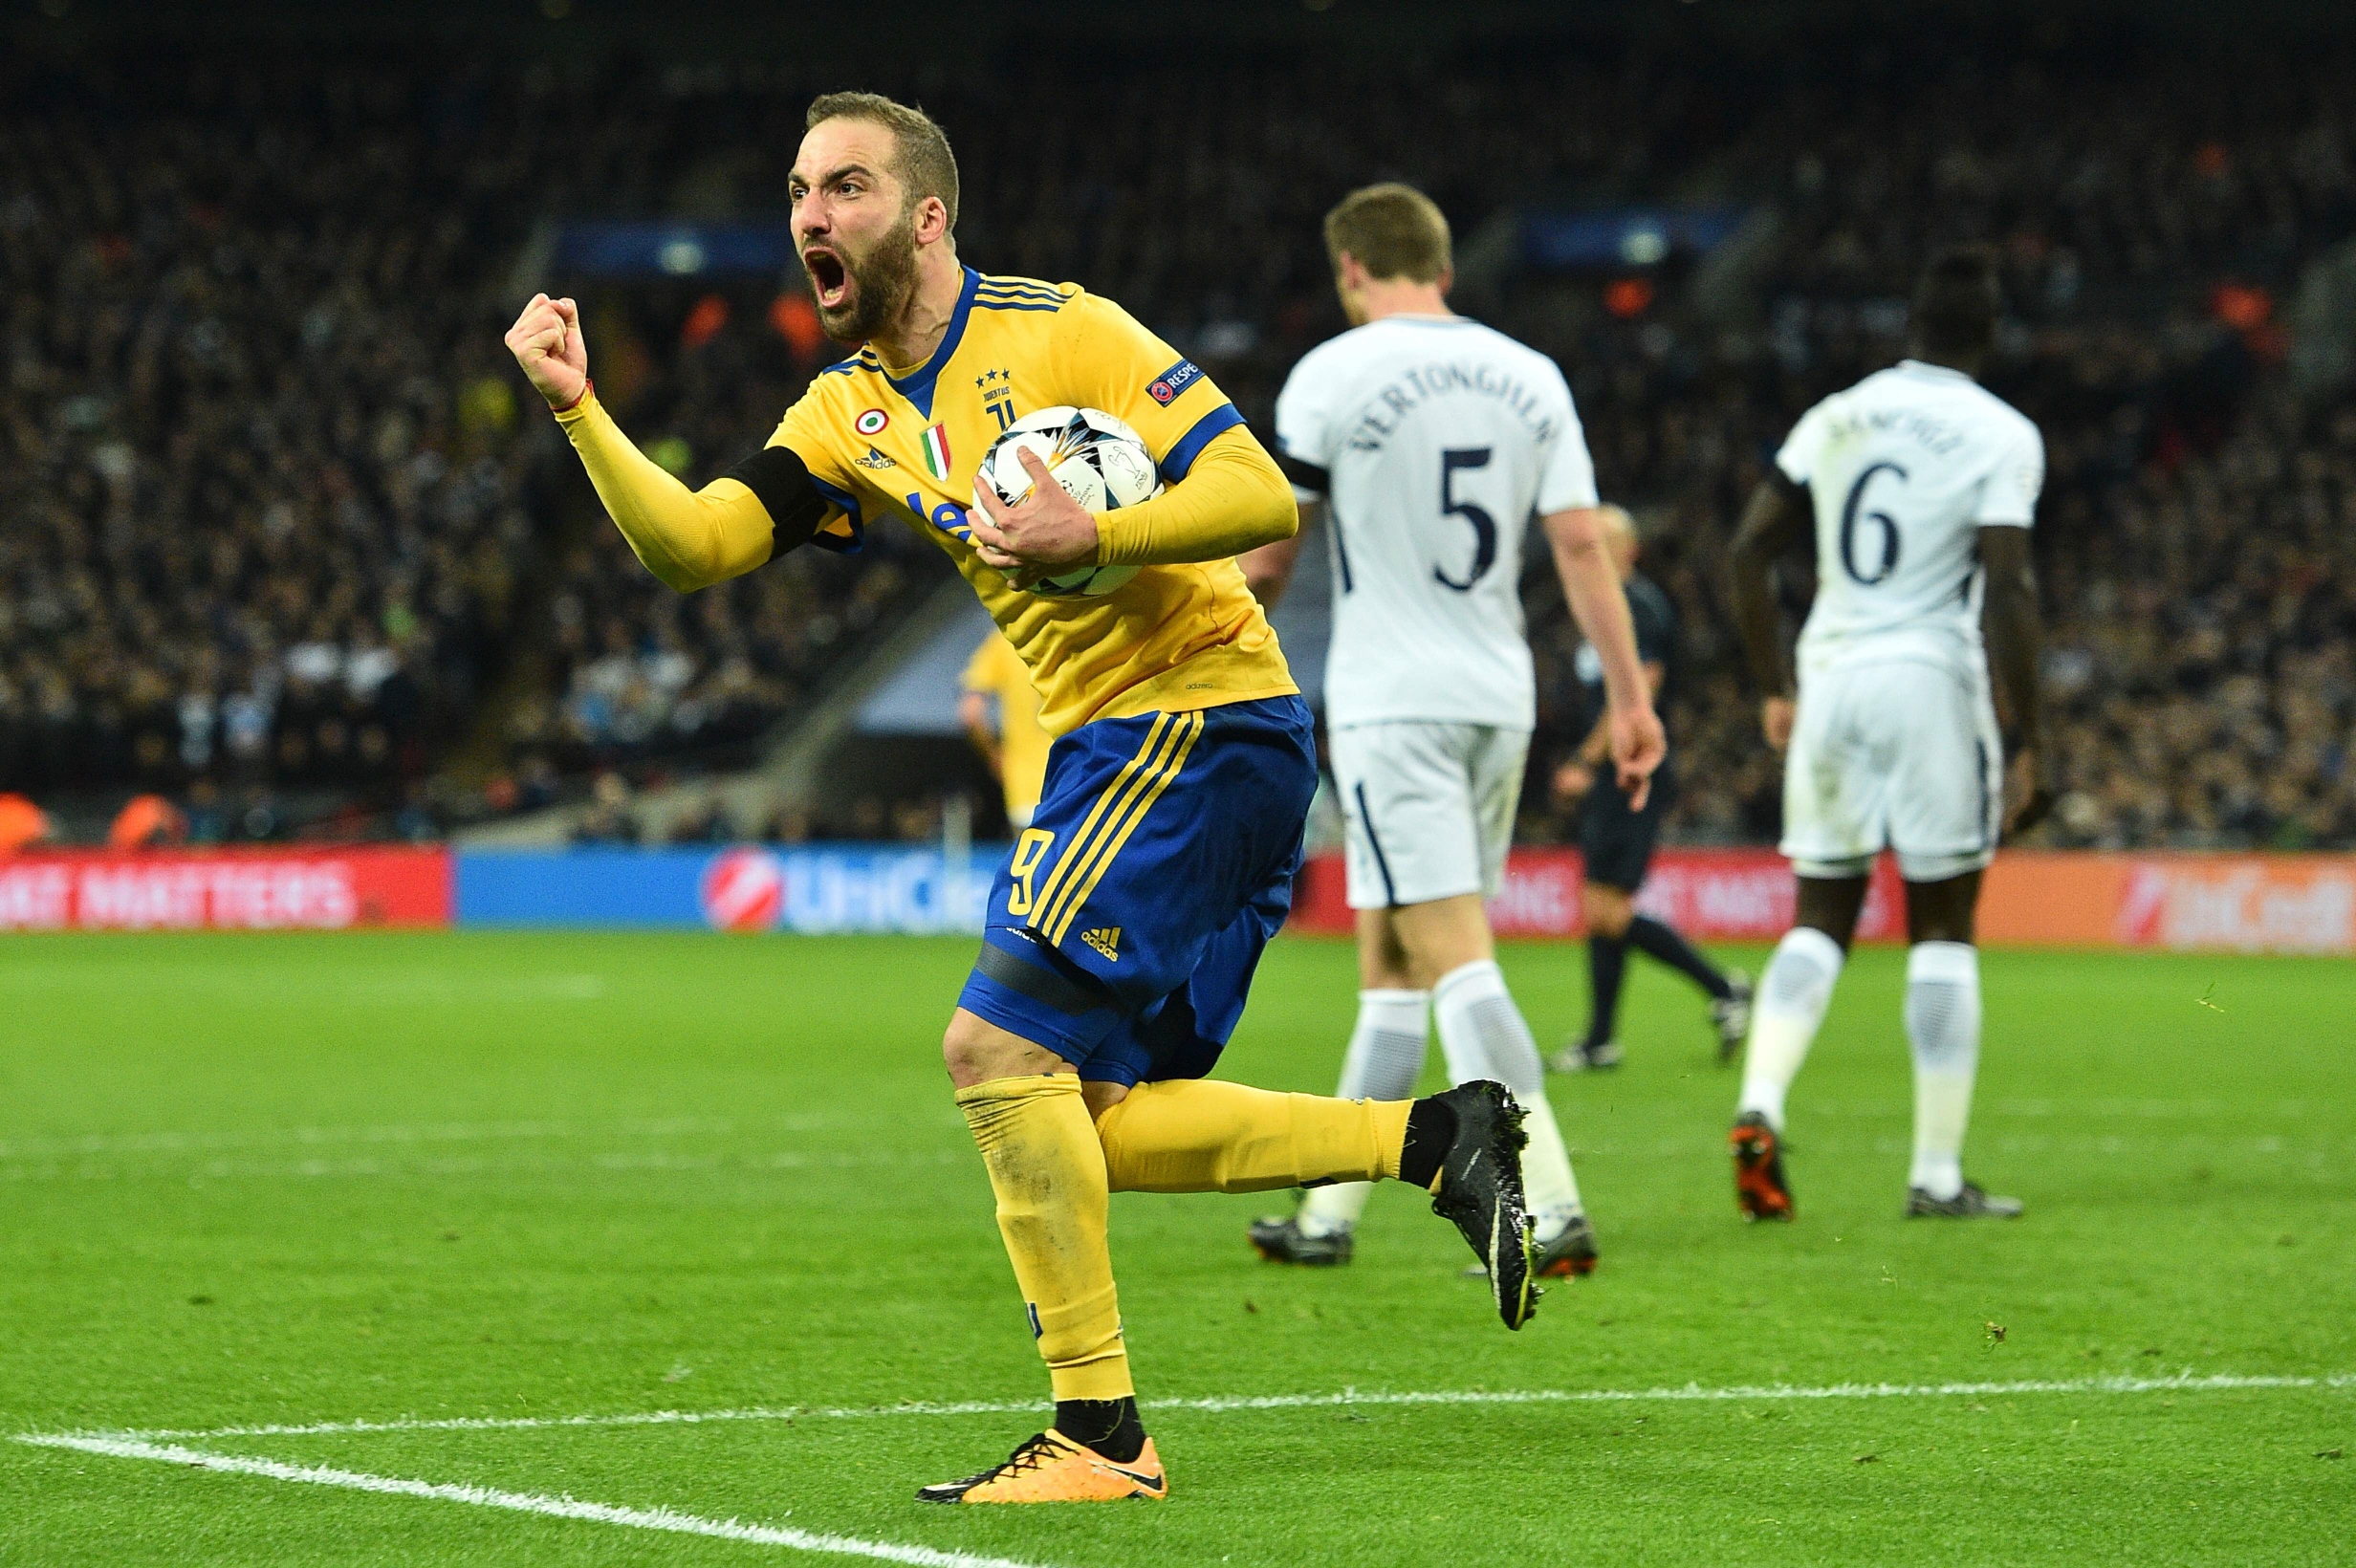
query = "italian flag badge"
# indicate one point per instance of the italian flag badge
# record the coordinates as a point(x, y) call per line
point(936, 452)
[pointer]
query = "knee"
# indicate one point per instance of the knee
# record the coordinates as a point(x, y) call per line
point(1609, 911)
point(972, 1052)
point(976, 1051)
point(1940, 925)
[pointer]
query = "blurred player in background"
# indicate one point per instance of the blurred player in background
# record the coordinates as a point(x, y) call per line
point(1123, 933)
point(148, 822)
point(1616, 836)
point(1426, 442)
point(1922, 487)
point(1011, 739)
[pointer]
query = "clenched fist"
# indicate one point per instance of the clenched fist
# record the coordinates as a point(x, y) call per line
point(546, 342)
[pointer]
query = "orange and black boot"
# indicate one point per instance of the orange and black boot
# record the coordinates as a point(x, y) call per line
point(1760, 1191)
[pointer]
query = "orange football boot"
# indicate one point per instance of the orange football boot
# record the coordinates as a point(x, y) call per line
point(1053, 1469)
point(1760, 1191)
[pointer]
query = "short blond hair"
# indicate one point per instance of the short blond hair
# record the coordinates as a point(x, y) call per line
point(920, 158)
point(1394, 231)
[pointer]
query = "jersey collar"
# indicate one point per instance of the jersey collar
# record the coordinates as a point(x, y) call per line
point(917, 387)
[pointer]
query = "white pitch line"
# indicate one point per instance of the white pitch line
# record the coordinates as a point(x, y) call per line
point(368, 1169)
point(528, 1502)
point(2186, 1381)
point(443, 1132)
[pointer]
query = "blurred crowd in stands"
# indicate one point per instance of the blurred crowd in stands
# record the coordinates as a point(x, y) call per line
point(263, 501)
point(277, 517)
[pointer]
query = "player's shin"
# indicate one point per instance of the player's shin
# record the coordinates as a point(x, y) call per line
point(1667, 945)
point(1608, 962)
point(1196, 1135)
point(1484, 1035)
point(1793, 995)
point(1385, 1057)
point(1942, 1025)
point(1047, 1169)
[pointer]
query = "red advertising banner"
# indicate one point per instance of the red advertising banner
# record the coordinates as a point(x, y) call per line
point(2302, 904)
point(229, 890)
point(1732, 895)
point(2292, 904)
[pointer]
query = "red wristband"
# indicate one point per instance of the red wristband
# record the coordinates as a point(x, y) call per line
point(587, 386)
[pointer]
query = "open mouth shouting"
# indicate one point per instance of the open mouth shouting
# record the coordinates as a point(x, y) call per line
point(830, 278)
point(860, 290)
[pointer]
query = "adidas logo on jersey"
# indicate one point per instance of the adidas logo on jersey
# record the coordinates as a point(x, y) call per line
point(875, 460)
point(1105, 939)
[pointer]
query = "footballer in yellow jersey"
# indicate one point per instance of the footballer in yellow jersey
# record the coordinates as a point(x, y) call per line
point(1015, 745)
point(1123, 930)
point(1178, 636)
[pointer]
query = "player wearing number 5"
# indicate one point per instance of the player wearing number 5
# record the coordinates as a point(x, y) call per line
point(1428, 442)
point(1922, 486)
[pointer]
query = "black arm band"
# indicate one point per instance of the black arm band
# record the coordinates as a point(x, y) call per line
point(1307, 476)
point(781, 481)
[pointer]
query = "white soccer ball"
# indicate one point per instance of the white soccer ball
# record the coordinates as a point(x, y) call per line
point(1100, 462)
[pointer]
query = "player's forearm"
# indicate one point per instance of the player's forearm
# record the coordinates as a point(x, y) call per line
point(688, 538)
point(1596, 749)
point(2016, 638)
point(1233, 499)
point(1752, 593)
point(1591, 584)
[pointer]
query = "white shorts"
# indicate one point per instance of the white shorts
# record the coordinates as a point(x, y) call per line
point(1900, 755)
point(1429, 808)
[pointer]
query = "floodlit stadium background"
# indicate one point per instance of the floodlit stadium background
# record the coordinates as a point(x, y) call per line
point(464, 1240)
point(288, 546)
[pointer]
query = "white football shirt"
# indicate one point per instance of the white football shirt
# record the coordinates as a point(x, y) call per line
point(1434, 440)
point(1904, 469)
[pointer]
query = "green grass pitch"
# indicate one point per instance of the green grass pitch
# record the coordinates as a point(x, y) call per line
point(288, 1181)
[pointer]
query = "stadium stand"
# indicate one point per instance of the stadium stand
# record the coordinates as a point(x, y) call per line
point(276, 519)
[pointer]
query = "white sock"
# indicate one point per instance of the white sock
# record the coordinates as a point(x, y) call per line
point(1785, 1016)
point(1942, 1025)
point(1385, 1059)
point(1483, 1036)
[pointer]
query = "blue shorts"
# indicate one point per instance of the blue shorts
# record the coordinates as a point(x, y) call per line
point(1123, 930)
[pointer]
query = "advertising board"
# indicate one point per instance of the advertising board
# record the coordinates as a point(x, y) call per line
point(2179, 902)
point(2289, 904)
point(226, 889)
point(837, 888)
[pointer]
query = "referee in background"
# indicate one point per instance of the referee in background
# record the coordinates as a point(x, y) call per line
point(1617, 843)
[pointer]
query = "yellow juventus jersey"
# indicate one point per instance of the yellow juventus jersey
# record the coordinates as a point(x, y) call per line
point(881, 444)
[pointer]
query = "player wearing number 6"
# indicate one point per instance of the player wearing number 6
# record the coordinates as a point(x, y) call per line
point(1922, 486)
point(1428, 442)
point(1124, 930)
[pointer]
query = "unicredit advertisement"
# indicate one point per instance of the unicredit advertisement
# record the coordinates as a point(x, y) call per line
point(742, 888)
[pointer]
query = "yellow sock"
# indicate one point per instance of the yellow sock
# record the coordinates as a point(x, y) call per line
point(1048, 1171)
point(1197, 1135)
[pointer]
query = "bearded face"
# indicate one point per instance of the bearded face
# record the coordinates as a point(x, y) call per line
point(858, 289)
